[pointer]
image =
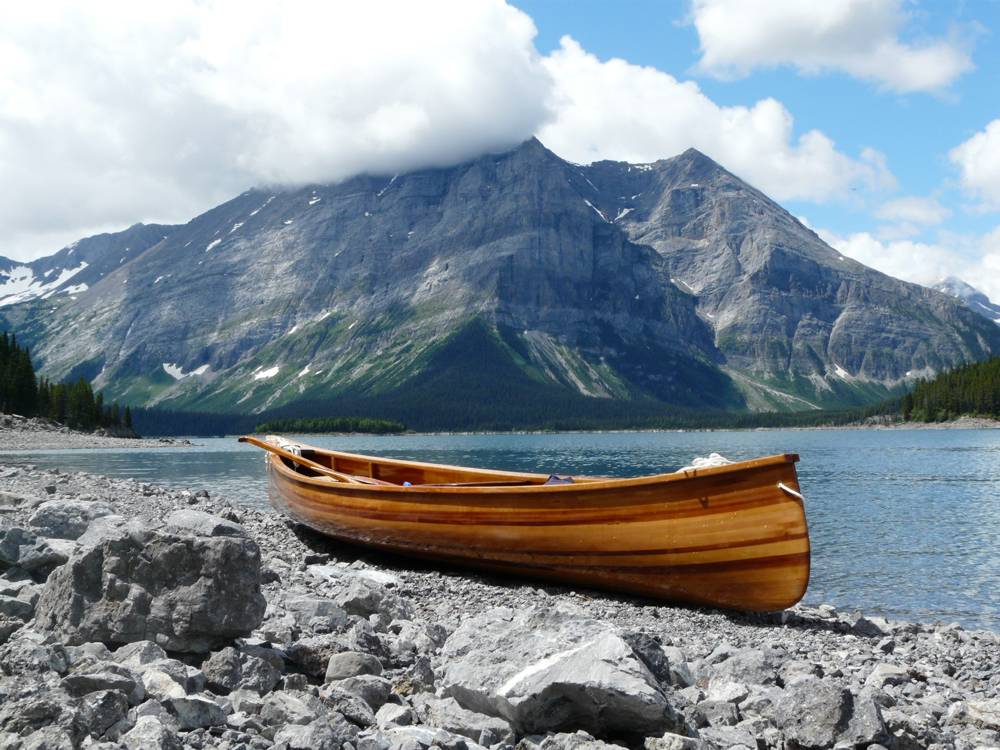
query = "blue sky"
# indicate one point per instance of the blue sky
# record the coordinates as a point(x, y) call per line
point(875, 121)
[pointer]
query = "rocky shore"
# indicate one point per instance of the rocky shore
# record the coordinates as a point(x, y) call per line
point(134, 616)
point(19, 433)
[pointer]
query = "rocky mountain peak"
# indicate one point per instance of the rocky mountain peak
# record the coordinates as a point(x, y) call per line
point(516, 279)
point(974, 299)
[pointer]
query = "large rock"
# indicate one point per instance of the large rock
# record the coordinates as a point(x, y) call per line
point(66, 519)
point(185, 592)
point(24, 549)
point(553, 669)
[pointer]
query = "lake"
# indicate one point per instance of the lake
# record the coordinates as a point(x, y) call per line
point(904, 523)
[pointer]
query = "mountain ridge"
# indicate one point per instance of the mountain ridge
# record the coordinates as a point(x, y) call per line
point(612, 281)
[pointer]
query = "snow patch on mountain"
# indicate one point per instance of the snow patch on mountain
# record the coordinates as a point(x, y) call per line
point(177, 372)
point(270, 372)
point(23, 284)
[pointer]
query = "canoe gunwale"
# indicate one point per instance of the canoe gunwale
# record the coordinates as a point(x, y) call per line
point(587, 483)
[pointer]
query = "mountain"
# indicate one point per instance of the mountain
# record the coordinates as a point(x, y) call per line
point(76, 267)
point(974, 299)
point(516, 282)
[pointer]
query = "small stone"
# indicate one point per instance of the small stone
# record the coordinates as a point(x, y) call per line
point(887, 674)
point(196, 711)
point(392, 714)
point(149, 734)
point(670, 741)
point(351, 664)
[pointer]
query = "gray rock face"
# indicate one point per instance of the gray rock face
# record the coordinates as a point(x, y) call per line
point(186, 593)
point(603, 280)
point(546, 670)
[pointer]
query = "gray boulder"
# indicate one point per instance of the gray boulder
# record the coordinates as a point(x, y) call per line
point(196, 712)
point(814, 713)
point(551, 669)
point(566, 741)
point(66, 519)
point(419, 738)
point(352, 707)
point(312, 655)
point(105, 677)
point(670, 741)
point(351, 664)
point(285, 707)
point(447, 714)
point(102, 709)
point(229, 669)
point(316, 613)
point(374, 690)
point(366, 597)
point(139, 653)
point(186, 593)
point(150, 734)
point(325, 733)
point(394, 715)
point(202, 524)
point(12, 607)
point(23, 548)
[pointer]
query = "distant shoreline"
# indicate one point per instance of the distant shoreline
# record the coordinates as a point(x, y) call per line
point(32, 435)
point(23, 434)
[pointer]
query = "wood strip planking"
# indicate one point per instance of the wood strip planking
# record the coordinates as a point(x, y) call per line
point(726, 536)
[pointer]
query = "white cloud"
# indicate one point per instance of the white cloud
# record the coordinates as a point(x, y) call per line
point(974, 259)
point(615, 110)
point(978, 160)
point(913, 209)
point(113, 112)
point(909, 216)
point(858, 37)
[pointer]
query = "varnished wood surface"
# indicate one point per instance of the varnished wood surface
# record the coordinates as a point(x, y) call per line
point(726, 536)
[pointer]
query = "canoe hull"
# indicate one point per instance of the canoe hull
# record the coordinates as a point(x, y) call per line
point(729, 536)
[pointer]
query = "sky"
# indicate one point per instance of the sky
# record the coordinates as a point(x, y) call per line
point(876, 122)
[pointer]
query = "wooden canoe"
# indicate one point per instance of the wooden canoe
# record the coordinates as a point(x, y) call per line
point(731, 536)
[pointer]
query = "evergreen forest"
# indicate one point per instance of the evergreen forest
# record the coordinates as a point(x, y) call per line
point(73, 404)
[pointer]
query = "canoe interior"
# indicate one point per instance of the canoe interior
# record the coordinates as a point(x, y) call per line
point(417, 473)
point(732, 536)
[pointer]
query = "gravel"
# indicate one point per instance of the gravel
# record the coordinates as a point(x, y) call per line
point(372, 652)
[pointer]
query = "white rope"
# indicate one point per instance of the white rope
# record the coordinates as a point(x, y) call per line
point(790, 491)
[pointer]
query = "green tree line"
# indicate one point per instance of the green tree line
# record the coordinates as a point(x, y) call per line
point(972, 389)
point(74, 404)
point(333, 424)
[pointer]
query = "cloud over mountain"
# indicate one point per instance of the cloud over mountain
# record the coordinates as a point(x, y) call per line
point(112, 113)
point(861, 39)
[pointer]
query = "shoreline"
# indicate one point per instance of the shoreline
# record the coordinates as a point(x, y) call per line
point(19, 433)
point(962, 423)
point(437, 635)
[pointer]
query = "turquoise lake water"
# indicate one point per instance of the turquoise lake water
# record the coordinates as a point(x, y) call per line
point(904, 523)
